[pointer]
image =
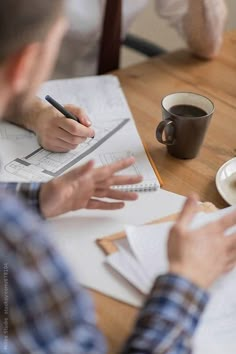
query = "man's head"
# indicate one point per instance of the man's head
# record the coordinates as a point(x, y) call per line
point(30, 36)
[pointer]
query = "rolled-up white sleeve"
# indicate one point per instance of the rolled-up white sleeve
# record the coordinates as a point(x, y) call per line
point(200, 22)
point(173, 11)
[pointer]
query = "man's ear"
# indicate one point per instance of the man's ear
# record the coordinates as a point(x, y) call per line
point(20, 67)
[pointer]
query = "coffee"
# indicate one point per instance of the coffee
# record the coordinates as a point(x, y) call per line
point(184, 110)
point(185, 119)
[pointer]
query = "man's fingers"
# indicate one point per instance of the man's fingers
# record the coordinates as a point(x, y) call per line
point(116, 194)
point(80, 113)
point(230, 267)
point(57, 145)
point(231, 243)
point(122, 164)
point(187, 213)
point(87, 167)
point(67, 146)
point(98, 204)
point(79, 171)
point(69, 138)
point(63, 146)
point(76, 129)
point(119, 181)
point(228, 220)
point(124, 180)
point(102, 173)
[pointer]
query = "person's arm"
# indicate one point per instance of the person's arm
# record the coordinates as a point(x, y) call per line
point(54, 132)
point(169, 317)
point(171, 314)
point(47, 310)
point(201, 22)
point(28, 118)
point(28, 191)
point(55, 315)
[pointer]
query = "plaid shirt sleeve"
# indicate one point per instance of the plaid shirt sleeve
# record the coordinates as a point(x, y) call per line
point(28, 191)
point(169, 318)
point(46, 311)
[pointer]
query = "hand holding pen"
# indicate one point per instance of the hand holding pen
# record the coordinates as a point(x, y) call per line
point(72, 131)
point(54, 132)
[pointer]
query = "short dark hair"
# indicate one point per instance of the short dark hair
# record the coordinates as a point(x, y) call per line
point(25, 21)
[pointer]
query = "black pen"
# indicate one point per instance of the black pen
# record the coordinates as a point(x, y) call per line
point(61, 109)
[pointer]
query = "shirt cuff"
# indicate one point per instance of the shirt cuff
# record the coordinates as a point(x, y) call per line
point(28, 191)
point(181, 300)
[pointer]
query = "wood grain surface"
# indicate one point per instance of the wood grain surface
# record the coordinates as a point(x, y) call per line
point(145, 85)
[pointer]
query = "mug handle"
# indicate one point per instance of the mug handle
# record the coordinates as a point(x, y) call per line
point(160, 130)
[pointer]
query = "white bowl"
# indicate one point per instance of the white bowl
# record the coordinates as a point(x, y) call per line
point(226, 181)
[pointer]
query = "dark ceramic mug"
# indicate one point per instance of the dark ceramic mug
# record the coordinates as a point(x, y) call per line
point(186, 117)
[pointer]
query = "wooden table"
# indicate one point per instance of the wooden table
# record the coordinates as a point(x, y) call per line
point(145, 85)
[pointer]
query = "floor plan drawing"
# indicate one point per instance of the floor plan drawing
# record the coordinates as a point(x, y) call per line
point(116, 136)
point(41, 165)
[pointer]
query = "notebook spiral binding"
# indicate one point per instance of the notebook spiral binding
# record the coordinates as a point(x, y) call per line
point(142, 187)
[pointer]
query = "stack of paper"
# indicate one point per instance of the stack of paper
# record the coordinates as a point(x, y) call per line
point(142, 256)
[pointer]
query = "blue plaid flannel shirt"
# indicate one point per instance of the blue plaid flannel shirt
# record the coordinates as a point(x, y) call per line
point(44, 310)
point(28, 191)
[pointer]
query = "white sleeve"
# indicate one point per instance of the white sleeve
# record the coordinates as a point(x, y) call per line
point(196, 20)
point(173, 11)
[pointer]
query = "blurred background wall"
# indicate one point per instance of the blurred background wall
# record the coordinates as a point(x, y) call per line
point(149, 26)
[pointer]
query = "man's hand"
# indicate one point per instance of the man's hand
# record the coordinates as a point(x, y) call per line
point(55, 132)
point(204, 254)
point(59, 134)
point(84, 186)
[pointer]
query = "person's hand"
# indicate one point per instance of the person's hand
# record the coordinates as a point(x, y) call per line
point(84, 187)
point(204, 254)
point(54, 132)
point(59, 134)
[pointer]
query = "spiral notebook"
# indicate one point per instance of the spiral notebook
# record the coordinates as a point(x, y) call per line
point(151, 178)
point(116, 136)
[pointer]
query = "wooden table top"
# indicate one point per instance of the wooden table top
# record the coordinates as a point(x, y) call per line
point(145, 85)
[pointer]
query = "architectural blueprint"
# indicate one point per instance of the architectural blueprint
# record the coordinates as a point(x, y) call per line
point(41, 164)
point(116, 136)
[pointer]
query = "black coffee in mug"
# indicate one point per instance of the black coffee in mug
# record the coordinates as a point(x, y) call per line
point(185, 119)
point(186, 110)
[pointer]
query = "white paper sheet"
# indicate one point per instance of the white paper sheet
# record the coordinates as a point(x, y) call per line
point(128, 266)
point(148, 244)
point(75, 235)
